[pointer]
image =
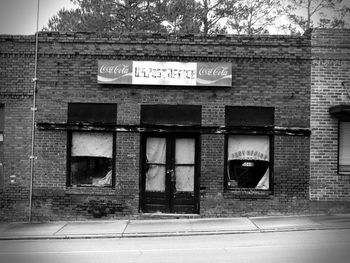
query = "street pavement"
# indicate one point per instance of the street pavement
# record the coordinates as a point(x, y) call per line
point(169, 227)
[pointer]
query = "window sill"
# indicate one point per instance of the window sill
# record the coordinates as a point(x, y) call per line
point(90, 190)
point(247, 193)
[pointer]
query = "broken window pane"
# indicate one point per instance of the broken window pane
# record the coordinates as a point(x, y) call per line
point(91, 158)
point(344, 148)
point(155, 164)
point(248, 161)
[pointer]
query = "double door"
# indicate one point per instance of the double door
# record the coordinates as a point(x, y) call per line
point(170, 174)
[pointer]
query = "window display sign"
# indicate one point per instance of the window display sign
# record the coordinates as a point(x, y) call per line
point(248, 161)
point(164, 73)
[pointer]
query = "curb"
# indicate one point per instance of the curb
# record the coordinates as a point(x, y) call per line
point(170, 234)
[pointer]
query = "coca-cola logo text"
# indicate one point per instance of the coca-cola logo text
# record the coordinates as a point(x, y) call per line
point(217, 71)
point(115, 69)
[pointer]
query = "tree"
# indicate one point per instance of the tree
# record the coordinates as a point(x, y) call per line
point(181, 16)
point(210, 12)
point(306, 14)
point(109, 15)
point(251, 17)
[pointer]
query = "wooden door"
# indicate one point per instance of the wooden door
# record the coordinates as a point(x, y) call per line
point(170, 174)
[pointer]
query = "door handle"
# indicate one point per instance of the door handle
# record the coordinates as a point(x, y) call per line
point(172, 175)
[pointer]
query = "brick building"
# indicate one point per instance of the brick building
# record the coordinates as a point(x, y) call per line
point(134, 124)
point(330, 102)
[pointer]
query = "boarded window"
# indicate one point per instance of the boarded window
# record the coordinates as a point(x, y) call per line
point(91, 159)
point(92, 113)
point(248, 161)
point(189, 115)
point(344, 148)
point(249, 116)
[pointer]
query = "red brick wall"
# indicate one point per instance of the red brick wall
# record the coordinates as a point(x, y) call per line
point(330, 67)
point(272, 71)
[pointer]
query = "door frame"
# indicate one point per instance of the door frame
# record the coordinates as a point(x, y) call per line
point(170, 139)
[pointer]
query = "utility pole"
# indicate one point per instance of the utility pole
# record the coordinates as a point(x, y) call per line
point(33, 109)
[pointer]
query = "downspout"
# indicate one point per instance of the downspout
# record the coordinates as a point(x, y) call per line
point(33, 109)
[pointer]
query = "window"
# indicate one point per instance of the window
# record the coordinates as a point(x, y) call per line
point(249, 147)
point(344, 148)
point(248, 161)
point(91, 158)
point(1, 145)
point(91, 153)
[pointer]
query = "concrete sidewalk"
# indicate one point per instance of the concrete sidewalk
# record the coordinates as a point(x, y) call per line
point(170, 227)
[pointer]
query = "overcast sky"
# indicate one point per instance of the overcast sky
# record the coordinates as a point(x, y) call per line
point(18, 17)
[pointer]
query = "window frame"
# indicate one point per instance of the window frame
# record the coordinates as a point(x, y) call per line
point(247, 120)
point(84, 117)
point(338, 154)
point(271, 163)
point(69, 178)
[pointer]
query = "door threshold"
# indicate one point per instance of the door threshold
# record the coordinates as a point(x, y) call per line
point(159, 215)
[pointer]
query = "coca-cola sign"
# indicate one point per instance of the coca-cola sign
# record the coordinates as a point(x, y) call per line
point(114, 72)
point(214, 74)
point(164, 73)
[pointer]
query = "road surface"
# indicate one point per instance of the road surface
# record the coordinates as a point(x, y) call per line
point(329, 246)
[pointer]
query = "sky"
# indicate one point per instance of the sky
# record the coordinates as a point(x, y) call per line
point(18, 17)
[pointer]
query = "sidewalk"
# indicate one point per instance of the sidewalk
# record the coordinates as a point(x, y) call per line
point(170, 227)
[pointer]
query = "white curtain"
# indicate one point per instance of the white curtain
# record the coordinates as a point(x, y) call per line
point(264, 181)
point(92, 144)
point(184, 154)
point(156, 148)
point(106, 180)
point(156, 156)
point(248, 147)
point(184, 151)
point(184, 178)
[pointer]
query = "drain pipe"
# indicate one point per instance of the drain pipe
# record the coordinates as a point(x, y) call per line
point(33, 109)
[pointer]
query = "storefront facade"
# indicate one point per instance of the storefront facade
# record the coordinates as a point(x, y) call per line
point(330, 102)
point(132, 125)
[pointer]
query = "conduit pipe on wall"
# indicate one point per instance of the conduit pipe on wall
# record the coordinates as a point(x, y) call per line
point(33, 109)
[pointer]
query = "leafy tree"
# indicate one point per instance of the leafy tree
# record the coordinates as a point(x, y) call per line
point(109, 15)
point(306, 14)
point(201, 16)
point(210, 12)
point(251, 17)
point(181, 16)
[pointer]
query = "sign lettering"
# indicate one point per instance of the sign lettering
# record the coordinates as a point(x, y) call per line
point(164, 73)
